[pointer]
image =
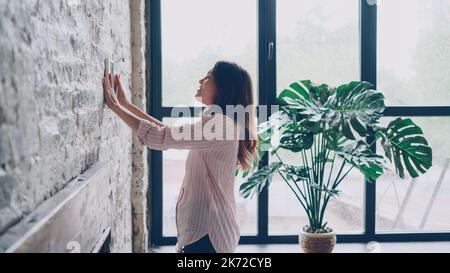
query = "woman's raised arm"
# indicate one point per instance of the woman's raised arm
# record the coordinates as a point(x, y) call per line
point(131, 107)
point(113, 103)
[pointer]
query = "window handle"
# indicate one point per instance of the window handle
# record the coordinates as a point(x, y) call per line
point(270, 53)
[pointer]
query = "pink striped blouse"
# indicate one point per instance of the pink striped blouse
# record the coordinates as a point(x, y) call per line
point(206, 203)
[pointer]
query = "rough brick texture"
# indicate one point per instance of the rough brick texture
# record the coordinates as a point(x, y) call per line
point(53, 122)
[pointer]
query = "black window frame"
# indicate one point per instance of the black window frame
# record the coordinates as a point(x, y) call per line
point(267, 96)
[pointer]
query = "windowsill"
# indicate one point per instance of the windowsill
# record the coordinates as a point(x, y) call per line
point(422, 247)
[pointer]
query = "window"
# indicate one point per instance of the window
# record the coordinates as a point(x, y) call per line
point(326, 41)
point(413, 72)
point(197, 33)
point(421, 204)
point(188, 38)
point(414, 52)
point(318, 41)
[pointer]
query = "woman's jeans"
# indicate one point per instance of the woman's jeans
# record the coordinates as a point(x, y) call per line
point(203, 245)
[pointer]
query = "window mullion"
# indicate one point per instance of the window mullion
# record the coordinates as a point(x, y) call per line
point(369, 74)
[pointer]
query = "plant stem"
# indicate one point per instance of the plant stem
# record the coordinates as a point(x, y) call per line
point(340, 171)
point(324, 159)
point(282, 176)
point(331, 170)
point(305, 187)
point(345, 175)
point(327, 199)
point(292, 189)
point(312, 181)
point(316, 178)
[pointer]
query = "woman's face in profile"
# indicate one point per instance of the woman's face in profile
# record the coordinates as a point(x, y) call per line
point(207, 90)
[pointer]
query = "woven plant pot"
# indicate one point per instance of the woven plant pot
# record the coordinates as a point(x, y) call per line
point(317, 242)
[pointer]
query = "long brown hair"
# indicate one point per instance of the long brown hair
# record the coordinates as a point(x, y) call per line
point(234, 87)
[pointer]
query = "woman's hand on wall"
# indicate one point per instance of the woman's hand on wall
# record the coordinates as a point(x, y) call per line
point(110, 97)
point(136, 111)
point(120, 92)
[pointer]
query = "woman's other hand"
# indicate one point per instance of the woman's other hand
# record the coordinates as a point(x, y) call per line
point(119, 91)
point(110, 97)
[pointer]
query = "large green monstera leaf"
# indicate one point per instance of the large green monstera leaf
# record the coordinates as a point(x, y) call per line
point(259, 180)
point(302, 102)
point(354, 108)
point(405, 145)
point(295, 138)
point(359, 154)
point(306, 90)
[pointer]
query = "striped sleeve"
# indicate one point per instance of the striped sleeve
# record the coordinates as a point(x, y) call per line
point(189, 136)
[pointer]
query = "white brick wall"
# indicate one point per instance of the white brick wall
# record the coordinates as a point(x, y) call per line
point(53, 124)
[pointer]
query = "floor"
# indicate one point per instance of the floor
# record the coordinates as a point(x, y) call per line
point(428, 247)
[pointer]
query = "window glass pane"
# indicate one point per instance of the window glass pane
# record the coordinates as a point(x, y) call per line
point(317, 40)
point(173, 173)
point(344, 214)
point(198, 33)
point(421, 204)
point(414, 51)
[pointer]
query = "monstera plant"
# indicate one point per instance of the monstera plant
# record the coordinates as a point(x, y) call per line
point(321, 124)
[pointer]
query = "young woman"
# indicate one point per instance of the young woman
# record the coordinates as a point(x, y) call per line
point(205, 211)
